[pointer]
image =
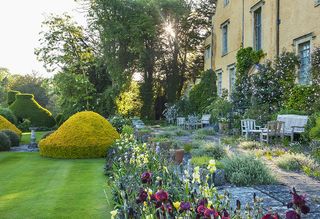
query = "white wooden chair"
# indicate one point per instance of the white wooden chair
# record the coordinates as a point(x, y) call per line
point(193, 122)
point(181, 122)
point(249, 126)
point(273, 129)
point(293, 124)
point(205, 120)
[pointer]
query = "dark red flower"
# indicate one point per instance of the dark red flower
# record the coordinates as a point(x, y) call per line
point(201, 209)
point(203, 202)
point(143, 195)
point(298, 200)
point(153, 197)
point(146, 177)
point(270, 216)
point(305, 209)
point(184, 206)
point(161, 195)
point(292, 215)
point(225, 214)
point(210, 212)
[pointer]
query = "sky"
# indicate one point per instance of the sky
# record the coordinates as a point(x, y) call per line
point(20, 24)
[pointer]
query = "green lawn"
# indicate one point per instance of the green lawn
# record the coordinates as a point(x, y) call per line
point(25, 138)
point(35, 187)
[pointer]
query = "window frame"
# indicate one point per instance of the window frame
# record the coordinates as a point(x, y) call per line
point(219, 82)
point(224, 40)
point(226, 2)
point(296, 43)
point(253, 9)
point(257, 35)
point(232, 85)
point(207, 53)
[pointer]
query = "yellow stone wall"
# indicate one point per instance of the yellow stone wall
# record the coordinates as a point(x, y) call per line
point(298, 18)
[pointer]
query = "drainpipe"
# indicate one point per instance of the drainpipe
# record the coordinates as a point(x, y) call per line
point(242, 38)
point(278, 29)
point(211, 58)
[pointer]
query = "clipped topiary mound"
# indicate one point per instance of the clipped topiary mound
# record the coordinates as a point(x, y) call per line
point(12, 96)
point(14, 137)
point(4, 142)
point(26, 107)
point(83, 135)
point(5, 124)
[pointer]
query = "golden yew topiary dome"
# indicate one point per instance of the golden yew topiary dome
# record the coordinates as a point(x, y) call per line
point(6, 124)
point(83, 135)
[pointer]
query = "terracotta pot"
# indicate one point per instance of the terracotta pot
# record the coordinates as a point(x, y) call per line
point(178, 156)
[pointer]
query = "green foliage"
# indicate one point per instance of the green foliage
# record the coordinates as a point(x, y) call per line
point(203, 93)
point(187, 148)
point(4, 142)
point(219, 109)
point(31, 84)
point(246, 58)
point(245, 170)
point(315, 131)
point(212, 150)
point(119, 121)
point(8, 114)
point(295, 162)
point(250, 145)
point(25, 107)
point(14, 137)
point(304, 98)
point(315, 63)
point(59, 119)
point(201, 161)
point(260, 113)
point(24, 125)
point(127, 130)
point(128, 102)
point(11, 96)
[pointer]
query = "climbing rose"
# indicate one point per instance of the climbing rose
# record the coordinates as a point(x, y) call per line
point(161, 195)
point(146, 177)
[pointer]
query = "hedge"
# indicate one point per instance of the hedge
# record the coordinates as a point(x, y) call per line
point(11, 96)
point(26, 107)
point(7, 125)
point(83, 135)
point(4, 142)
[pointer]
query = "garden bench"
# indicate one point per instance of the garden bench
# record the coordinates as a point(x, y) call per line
point(249, 126)
point(273, 129)
point(205, 120)
point(293, 124)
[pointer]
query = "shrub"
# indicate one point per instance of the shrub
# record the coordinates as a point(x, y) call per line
point(127, 129)
point(12, 96)
point(315, 131)
point(210, 149)
point(200, 160)
point(181, 132)
point(187, 148)
point(4, 142)
point(245, 170)
point(5, 124)
point(206, 131)
point(295, 162)
point(220, 108)
point(8, 114)
point(118, 122)
point(14, 137)
point(26, 107)
point(250, 145)
point(25, 125)
point(303, 98)
point(83, 135)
